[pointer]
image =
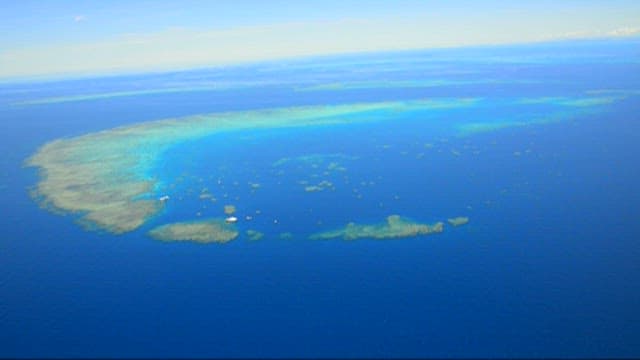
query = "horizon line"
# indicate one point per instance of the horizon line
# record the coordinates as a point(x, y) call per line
point(70, 76)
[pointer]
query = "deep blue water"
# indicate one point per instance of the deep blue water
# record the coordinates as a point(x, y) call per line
point(547, 266)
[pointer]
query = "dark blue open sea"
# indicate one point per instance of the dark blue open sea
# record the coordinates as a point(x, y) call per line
point(548, 265)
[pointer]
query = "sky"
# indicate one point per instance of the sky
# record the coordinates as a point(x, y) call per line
point(59, 38)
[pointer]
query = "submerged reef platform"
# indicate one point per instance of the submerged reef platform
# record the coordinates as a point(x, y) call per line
point(254, 235)
point(108, 177)
point(394, 227)
point(200, 231)
point(458, 221)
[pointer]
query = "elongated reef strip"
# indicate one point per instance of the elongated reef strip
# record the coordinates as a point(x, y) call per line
point(394, 227)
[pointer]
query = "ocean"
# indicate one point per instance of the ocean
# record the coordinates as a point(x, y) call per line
point(537, 145)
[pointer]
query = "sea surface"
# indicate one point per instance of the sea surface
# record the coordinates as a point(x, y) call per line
point(544, 164)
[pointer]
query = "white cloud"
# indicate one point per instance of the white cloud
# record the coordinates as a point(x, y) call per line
point(593, 33)
point(79, 18)
point(625, 31)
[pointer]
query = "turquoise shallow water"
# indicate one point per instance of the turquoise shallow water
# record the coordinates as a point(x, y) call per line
point(545, 267)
